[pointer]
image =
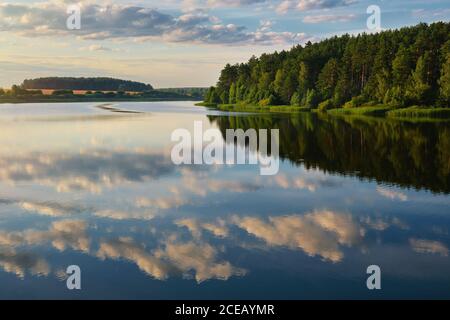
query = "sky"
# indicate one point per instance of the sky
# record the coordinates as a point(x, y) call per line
point(178, 43)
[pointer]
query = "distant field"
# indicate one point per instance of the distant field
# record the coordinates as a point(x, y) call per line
point(49, 92)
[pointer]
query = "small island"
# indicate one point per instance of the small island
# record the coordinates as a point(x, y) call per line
point(69, 89)
point(400, 73)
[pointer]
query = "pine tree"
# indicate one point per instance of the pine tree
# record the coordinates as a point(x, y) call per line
point(232, 95)
point(401, 67)
point(327, 79)
point(311, 99)
point(444, 82)
point(295, 100)
point(419, 90)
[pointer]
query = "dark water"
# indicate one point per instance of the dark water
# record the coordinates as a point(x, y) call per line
point(85, 186)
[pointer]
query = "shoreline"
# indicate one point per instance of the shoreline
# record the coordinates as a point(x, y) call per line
point(380, 111)
point(74, 100)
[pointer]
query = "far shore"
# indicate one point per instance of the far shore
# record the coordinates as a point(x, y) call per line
point(51, 99)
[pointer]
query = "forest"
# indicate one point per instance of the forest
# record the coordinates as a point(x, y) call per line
point(197, 93)
point(395, 68)
point(93, 84)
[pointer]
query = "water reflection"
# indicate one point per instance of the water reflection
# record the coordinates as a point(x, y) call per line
point(104, 194)
point(409, 154)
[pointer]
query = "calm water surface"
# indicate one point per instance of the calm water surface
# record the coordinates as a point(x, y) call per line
point(97, 188)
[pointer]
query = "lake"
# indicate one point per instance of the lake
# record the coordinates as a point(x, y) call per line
point(96, 187)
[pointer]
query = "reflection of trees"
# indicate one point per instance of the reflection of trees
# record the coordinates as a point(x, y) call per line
point(407, 154)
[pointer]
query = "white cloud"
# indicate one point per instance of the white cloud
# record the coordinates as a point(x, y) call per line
point(318, 234)
point(329, 18)
point(217, 228)
point(126, 215)
point(127, 21)
point(305, 5)
point(163, 203)
point(233, 3)
point(95, 47)
point(61, 234)
point(429, 246)
point(392, 194)
point(125, 248)
point(197, 257)
point(19, 263)
point(88, 171)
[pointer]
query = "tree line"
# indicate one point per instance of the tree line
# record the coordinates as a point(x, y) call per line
point(197, 93)
point(93, 84)
point(399, 68)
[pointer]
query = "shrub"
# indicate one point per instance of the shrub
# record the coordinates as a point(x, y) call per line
point(354, 103)
point(326, 105)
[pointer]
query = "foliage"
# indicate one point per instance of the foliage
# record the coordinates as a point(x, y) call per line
point(196, 93)
point(94, 84)
point(396, 67)
point(326, 105)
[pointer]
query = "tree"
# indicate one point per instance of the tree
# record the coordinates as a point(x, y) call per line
point(232, 96)
point(311, 99)
point(401, 67)
point(419, 90)
point(444, 82)
point(303, 79)
point(382, 84)
point(328, 78)
point(295, 100)
point(212, 96)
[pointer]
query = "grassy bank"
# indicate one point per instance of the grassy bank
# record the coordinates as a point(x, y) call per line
point(256, 108)
point(378, 110)
point(418, 112)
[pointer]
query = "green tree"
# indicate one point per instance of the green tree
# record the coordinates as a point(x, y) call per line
point(401, 67)
point(303, 79)
point(232, 96)
point(419, 90)
point(444, 82)
point(311, 99)
point(328, 78)
point(296, 100)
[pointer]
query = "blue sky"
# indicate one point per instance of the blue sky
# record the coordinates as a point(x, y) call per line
point(178, 42)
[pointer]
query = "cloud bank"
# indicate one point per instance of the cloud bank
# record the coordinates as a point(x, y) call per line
point(114, 21)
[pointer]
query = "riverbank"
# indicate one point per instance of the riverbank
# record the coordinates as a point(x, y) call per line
point(379, 110)
point(254, 108)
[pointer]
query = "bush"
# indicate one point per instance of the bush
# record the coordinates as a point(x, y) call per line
point(326, 105)
point(271, 100)
point(354, 103)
